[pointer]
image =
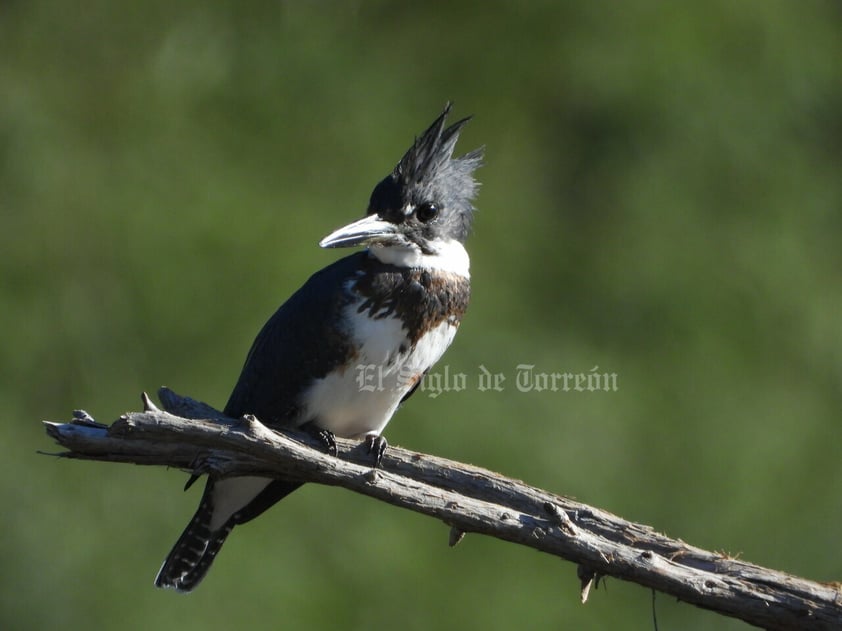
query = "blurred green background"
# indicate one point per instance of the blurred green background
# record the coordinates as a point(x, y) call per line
point(661, 199)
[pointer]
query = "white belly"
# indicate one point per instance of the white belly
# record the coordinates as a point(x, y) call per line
point(362, 399)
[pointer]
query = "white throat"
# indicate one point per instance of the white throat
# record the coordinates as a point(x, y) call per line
point(449, 256)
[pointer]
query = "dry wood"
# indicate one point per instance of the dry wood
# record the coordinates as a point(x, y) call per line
point(193, 436)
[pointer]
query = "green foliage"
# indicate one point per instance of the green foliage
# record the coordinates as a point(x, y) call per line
point(661, 200)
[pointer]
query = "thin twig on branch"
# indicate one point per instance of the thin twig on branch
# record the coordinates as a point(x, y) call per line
point(193, 436)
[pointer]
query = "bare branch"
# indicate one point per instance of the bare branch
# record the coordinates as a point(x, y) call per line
point(197, 438)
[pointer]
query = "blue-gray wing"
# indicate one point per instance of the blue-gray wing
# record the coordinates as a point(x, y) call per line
point(303, 341)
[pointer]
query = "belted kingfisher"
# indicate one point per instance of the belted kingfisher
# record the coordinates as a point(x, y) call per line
point(395, 305)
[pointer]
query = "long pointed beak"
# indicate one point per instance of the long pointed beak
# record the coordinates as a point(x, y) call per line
point(368, 230)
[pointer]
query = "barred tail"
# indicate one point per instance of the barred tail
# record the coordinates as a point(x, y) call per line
point(225, 503)
point(196, 548)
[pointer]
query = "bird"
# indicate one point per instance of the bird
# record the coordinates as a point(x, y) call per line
point(354, 342)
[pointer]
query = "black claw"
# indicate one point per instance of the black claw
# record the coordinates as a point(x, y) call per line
point(199, 467)
point(192, 480)
point(325, 436)
point(377, 445)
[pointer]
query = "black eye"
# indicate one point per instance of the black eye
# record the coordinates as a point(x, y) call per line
point(426, 212)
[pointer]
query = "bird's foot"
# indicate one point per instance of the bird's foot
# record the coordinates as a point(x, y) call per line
point(376, 445)
point(326, 437)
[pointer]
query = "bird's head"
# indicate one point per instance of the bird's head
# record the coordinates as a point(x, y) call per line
point(424, 206)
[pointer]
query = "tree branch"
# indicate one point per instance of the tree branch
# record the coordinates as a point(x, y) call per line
point(191, 435)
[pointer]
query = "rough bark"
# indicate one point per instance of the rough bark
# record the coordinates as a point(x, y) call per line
point(193, 436)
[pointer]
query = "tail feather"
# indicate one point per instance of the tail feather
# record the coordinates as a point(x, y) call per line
point(192, 555)
point(225, 503)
